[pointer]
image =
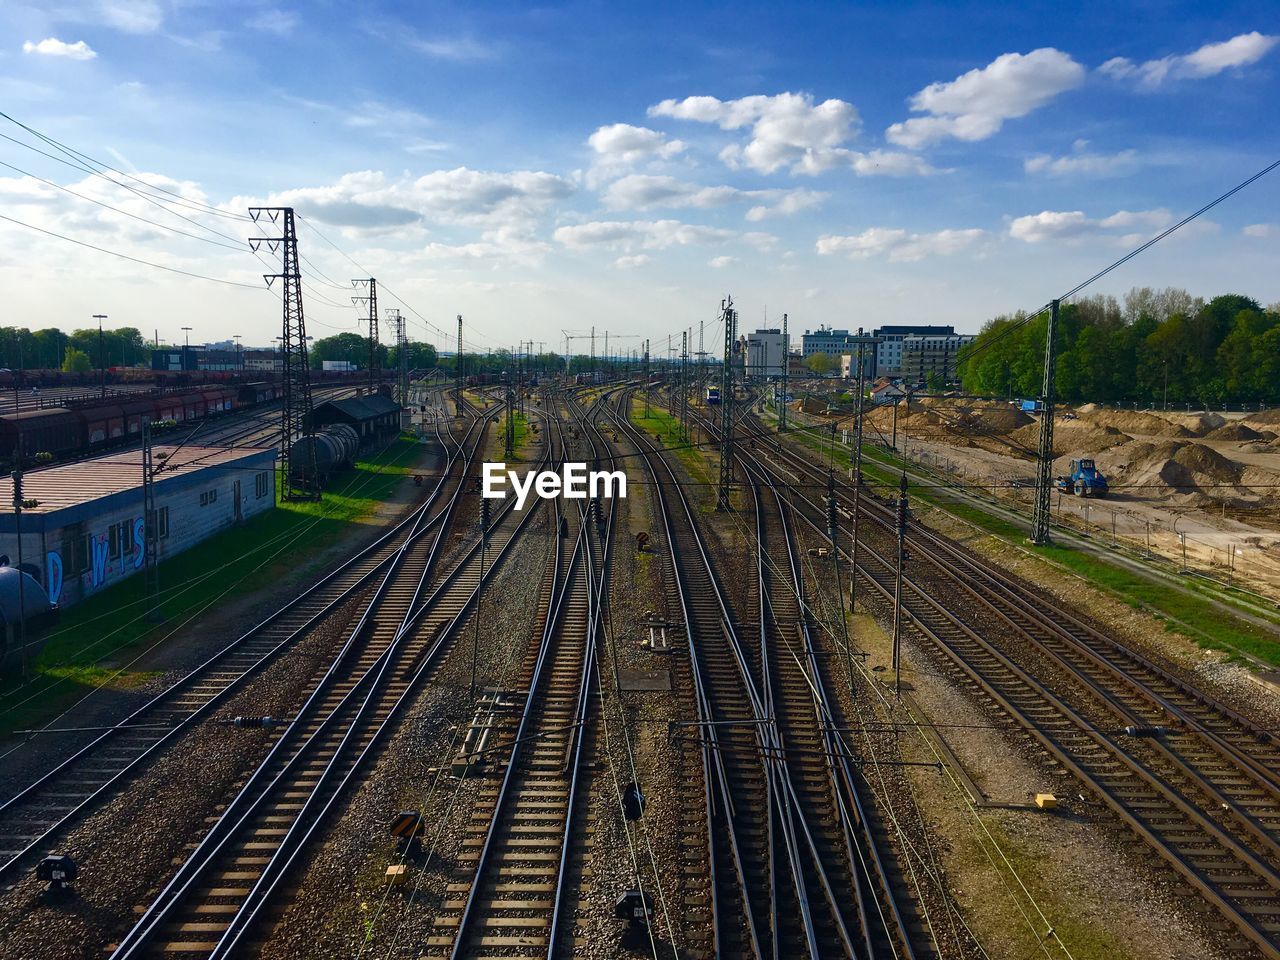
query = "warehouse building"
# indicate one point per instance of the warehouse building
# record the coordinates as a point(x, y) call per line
point(374, 417)
point(82, 527)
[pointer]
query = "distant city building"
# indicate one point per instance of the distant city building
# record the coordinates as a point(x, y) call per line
point(889, 352)
point(931, 356)
point(765, 354)
point(195, 357)
point(825, 340)
point(262, 360)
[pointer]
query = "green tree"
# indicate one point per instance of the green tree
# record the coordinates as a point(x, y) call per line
point(76, 361)
point(819, 363)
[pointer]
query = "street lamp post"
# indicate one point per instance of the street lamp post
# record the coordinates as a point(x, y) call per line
point(102, 365)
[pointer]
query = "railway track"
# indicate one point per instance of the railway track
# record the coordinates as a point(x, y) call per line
point(526, 834)
point(35, 815)
point(781, 829)
point(227, 885)
point(1197, 783)
point(844, 867)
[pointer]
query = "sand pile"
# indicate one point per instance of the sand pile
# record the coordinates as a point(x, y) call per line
point(1264, 417)
point(1233, 431)
point(1135, 422)
point(1197, 423)
point(1081, 438)
point(1192, 468)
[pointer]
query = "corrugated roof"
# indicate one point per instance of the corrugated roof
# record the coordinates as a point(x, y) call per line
point(72, 484)
point(361, 408)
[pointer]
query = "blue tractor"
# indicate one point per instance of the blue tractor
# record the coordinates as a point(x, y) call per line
point(1084, 480)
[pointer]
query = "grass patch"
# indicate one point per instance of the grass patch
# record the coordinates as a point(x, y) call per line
point(519, 435)
point(666, 428)
point(1194, 617)
point(112, 626)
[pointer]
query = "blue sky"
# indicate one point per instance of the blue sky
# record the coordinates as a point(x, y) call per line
point(553, 167)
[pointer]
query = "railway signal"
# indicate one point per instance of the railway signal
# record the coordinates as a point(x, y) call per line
point(901, 518)
point(59, 872)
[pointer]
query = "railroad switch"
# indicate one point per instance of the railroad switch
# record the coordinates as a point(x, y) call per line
point(58, 872)
point(635, 907)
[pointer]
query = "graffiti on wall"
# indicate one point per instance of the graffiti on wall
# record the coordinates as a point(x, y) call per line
point(98, 560)
point(53, 575)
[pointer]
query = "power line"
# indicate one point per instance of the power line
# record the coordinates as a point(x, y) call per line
point(125, 256)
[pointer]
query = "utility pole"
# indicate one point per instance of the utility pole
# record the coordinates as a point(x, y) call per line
point(729, 316)
point(786, 370)
point(150, 522)
point(509, 446)
point(475, 636)
point(593, 353)
point(372, 300)
point(684, 386)
point(646, 379)
point(457, 371)
point(239, 353)
point(897, 589)
point(1044, 466)
point(17, 529)
point(402, 356)
point(295, 412)
point(102, 363)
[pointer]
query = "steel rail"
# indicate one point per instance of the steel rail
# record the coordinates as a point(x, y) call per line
point(239, 811)
point(1157, 837)
point(56, 775)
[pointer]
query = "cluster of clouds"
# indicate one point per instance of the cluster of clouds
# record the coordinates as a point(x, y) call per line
point(635, 169)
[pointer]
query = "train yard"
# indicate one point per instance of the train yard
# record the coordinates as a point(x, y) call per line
point(638, 725)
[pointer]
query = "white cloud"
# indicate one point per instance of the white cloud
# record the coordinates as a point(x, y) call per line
point(764, 242)
point(369, 200)
point(504, 243)
point(638, 234)
point(619, 147)
point(813, 293)
point(1208, 61)
point(791, 201)
point(277, 22)
point(1259, 230)
point(131, 16)
point(632, 262)
point(899, 244)
point(976, 104)
point(53, 47)
point(458, 49)
point(719, 263)
point(1074, 224)
point(1081, 162)
point(639, 191)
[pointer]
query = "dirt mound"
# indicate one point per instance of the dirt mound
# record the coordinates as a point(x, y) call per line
point(1233, 431)
point(1192, 468)
point(1197, 424)
point(1136, 422)
point(1001, 419)
point(1071, 435)
point(1089, 408)
point(1264, 416)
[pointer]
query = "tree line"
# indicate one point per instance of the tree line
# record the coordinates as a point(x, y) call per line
point(354, 348)
point(1153, 345)
point(78, 351)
